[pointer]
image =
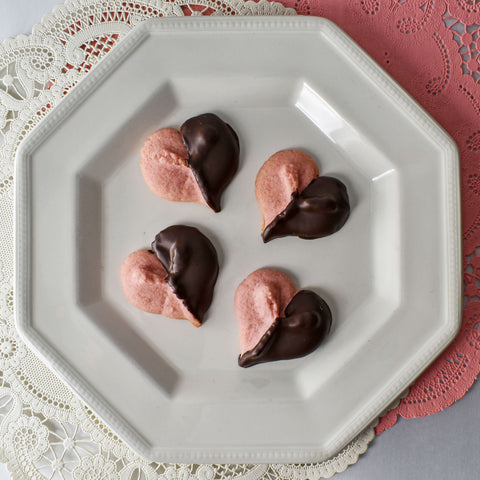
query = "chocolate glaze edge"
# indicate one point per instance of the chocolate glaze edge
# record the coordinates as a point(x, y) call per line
point(191, 262)
point(213, 154)
point(321, 209)
point(256, 354)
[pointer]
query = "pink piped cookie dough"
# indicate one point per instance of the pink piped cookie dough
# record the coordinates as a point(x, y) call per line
point(143, 282)
point(281, 175)
point(165, 170)
point(259, 300)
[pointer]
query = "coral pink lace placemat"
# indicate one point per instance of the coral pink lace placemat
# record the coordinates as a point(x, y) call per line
point(431, 47)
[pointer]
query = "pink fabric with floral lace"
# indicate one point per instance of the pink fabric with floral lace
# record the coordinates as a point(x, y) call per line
point(431, 47)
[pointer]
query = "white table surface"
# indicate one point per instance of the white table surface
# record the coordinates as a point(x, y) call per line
point(442, 446)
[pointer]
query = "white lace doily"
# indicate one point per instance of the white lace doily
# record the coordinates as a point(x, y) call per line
point(46, 432)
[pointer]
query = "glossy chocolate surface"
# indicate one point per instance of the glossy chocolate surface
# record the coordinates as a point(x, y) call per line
point(191, 262)
point(213, 151)
point(320, 210)
point(306, 323)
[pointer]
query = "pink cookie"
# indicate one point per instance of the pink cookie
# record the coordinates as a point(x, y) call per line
point(281, 175)
point(296, 201)
point(165, 170)
point(143, 282)
point(195, 164)
point(276, 322)
point(259, 300)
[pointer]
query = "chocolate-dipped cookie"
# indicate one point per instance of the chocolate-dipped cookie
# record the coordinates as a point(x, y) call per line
point(194, 164)
point(277, 322)
point(176, 278)
point(296, 201)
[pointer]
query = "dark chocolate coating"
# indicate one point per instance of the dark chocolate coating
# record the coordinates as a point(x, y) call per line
point(306, 323)
point(320, 210)
point(191, 263)
point(213, 151)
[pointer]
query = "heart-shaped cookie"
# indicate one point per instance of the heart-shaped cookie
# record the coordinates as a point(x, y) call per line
point(275, 321)
point(295, 201)
point(194, 164)
point(176, 278)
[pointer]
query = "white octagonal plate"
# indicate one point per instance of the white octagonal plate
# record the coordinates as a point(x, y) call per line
point(391, 275)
